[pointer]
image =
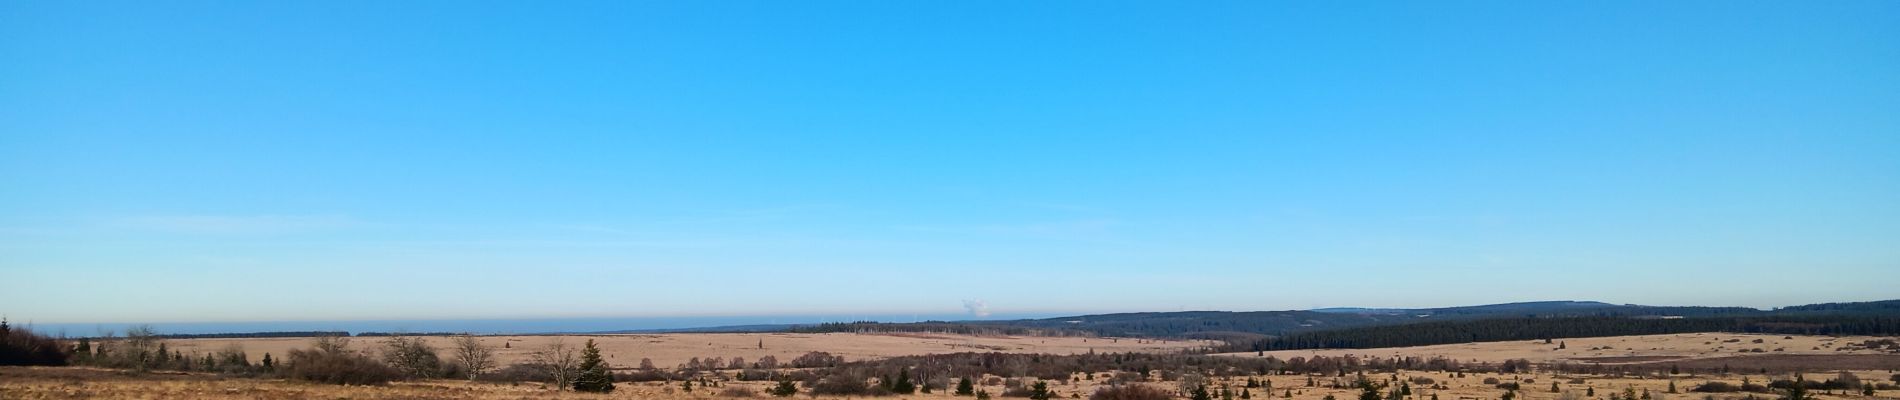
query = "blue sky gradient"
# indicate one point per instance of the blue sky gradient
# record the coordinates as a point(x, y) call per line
point(347, 160)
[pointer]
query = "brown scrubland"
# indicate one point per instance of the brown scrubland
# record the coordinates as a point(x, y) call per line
point(675, 349)
point(1709, 366)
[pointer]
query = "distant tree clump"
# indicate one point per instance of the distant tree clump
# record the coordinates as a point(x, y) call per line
point(20, 346)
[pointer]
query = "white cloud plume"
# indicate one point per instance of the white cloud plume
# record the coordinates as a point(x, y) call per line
point(977, 308)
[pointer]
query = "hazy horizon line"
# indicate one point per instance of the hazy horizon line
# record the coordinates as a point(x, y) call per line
point(763, 318)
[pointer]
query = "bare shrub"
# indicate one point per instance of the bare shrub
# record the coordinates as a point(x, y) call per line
point(1715, 387)
point(515, 373)
point(1126, 377)
point(817, 359)
point(1131, 392)
point(846, 384)
point(644, 375)
point(330, 361)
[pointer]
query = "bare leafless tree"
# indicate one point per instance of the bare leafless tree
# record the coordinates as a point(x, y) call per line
point(412, 356)
point(141, 345)
point(559, 360)
point(474, 357)
point(331, 345)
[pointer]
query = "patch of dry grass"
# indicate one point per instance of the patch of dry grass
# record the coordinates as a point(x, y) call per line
point(92, 383)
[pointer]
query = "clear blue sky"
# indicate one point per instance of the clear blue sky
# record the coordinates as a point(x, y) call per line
point(326, 160)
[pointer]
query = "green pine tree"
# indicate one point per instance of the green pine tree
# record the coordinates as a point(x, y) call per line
point(902, 385)
point(1040, 391)
point(965, 387)
point(1590, 392)
point(1244, 394)
point(159, 360)
point(785, 388)
point(1200, 393)
point(982, 394)
point(595, 376)
point(1368, 392)
point(84, 350)
point(1799, 391)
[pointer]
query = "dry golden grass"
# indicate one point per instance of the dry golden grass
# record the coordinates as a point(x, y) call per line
point(669, 350)
point(90, 383)
point(1610, 350)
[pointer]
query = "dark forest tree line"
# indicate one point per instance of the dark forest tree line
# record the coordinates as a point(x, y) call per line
point(1492, 330)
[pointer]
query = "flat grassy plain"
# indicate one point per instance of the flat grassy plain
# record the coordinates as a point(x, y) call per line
point(94, 383)
point(672, 349)
point(1676, 348)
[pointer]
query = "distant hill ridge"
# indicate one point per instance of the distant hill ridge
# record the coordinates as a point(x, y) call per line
point(1326, 327)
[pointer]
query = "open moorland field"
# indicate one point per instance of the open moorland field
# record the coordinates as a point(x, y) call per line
point(1698, 354)
point(93, 383)
point(673, 349)
point(1695, 348)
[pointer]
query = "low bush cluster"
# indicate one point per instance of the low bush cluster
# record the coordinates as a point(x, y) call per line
point(1131, 392)
point(337, 367)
